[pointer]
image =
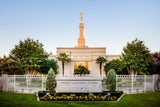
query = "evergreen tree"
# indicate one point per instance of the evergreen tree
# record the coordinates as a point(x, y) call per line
point(51, 82)
point(111, 80)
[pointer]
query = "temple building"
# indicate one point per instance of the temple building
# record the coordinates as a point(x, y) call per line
point(83, 55)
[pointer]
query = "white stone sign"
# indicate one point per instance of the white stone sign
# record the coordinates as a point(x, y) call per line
point(79, 84)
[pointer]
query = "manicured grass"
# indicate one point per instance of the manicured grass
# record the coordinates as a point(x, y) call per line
point(130, 100)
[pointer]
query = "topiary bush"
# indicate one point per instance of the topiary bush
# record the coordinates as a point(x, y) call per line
point(111, 80)
point(51, 82)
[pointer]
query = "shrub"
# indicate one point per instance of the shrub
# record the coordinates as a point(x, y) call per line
point(99, 95)
point(91, 95)
point(50, 82)
point(80, 96)
point(117, 93)
point(81, 70)
point(111, 80)
point(72, 97)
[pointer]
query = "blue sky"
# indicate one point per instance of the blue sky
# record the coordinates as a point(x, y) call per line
point(55, 23)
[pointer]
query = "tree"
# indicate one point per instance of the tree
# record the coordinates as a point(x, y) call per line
point(51, 82)
point(47, 64)
point(154, 67)
point(111, 80)
point(28, 54)
point(100, 60)
point(136, 57)
point(7, 65)
point(117, 65)
point(64, 58)
point(81, 70)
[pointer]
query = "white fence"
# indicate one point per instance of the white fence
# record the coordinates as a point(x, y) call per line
point(136, 83)
point(34, 83)
point(24, 83)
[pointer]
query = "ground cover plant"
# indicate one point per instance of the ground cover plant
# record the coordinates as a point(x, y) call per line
point(130, 100)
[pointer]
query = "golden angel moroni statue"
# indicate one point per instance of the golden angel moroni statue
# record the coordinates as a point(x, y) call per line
point(81, 16)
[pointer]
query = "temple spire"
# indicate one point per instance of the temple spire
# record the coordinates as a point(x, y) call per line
point(81, 40)
point(81, 16)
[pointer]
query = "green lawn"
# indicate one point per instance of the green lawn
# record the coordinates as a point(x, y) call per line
point(130, 100)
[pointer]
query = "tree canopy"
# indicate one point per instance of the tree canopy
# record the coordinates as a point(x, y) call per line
point(136, 57)
point(100, 60)
point(81, 70)
point(7, 65)
point(117, 65)
point(65, 59)
point(154, 67)
point(28, 54)
point(47, 64)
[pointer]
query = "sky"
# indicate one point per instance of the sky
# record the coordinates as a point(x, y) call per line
point(55, 23)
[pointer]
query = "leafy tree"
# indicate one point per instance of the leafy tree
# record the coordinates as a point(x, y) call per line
point(7, 65)
point(154, 67)
point(51, 82)
point(136, 57)
point(100, 60)
point(28, 54)
point(47, 64)
point(111, 80)
point(64, 58)
point(81, 70)
point(117, 65)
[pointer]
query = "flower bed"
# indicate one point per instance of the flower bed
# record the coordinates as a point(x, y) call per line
point(105, 96)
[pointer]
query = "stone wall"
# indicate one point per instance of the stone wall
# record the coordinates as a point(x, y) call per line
point(79, 84)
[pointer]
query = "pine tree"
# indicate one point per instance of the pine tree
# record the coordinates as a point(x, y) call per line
point(111, 80)
point(51, 82)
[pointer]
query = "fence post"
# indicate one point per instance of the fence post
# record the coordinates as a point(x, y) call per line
point(132, 83)
point(27, 80)
point(14, 82)
point(42, 82)
point(156, 77)
point(144, 83)
point(153, 83)
point(4, 82)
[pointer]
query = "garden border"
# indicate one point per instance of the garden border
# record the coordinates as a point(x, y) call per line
point(38, 99)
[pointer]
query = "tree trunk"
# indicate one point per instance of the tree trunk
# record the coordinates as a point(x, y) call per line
point(100, 68)
point(135, 73)
point(130, 71)
point(63, 68)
